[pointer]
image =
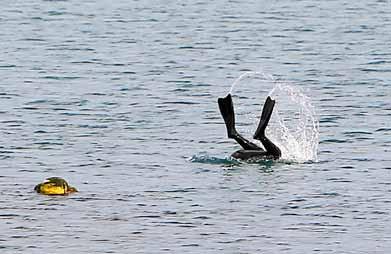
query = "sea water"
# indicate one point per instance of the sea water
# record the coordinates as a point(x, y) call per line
point(116, 96)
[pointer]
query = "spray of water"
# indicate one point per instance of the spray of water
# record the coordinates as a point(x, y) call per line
point(294, 125)
point(296, 129)
point(250, 74)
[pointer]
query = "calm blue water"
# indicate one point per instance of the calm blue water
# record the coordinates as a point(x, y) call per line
point(116, 96)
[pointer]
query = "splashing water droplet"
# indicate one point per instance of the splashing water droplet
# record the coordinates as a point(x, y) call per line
point(294, 126)
point(250, 74)
point(296, 129)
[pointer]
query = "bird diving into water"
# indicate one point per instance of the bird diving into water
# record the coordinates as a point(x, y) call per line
point(250, 150)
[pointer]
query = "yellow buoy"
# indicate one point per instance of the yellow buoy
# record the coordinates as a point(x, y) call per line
point(54, 186)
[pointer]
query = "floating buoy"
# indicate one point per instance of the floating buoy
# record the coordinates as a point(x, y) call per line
point(54, 186)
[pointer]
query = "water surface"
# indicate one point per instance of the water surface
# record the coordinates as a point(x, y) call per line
point(116, 97)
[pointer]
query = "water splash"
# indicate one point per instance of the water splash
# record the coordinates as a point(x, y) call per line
point(228, 161)
point(209, 159)
point(250, 74)
point(294, 125)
